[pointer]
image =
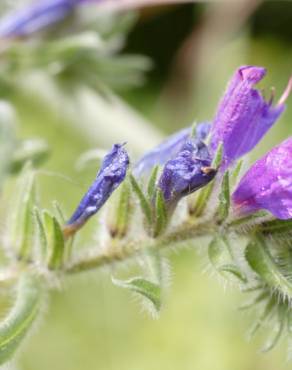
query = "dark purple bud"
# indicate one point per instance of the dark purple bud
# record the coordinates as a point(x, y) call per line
point(35, 17)
point(267, 184)
point(168, 148)
point(187, 172)
point(243, 116)
point(112, 172)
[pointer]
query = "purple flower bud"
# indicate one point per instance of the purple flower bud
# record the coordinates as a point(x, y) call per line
point(168, 148)
point(35, 17)
point(187, 172)
point(267, 184)
point(243, 116)
point(111, 174)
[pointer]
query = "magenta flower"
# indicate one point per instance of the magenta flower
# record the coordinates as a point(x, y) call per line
point(112, 172)
point(187, 172)
point(244, 116)
point(267, 184)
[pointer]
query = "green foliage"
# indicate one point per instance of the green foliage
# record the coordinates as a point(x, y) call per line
point(147, 289)
point(20, 318)
point(21, 220)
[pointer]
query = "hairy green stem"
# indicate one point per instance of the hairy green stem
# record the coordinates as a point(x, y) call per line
point(181, 235)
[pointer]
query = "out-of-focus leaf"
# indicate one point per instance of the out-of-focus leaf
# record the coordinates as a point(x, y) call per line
point(34, 151)
point(7, 138)
point(21, 317)
point(261, 261)
point(143, 287)
point(222, 260)
point(21, 220)
point(94, 157)
point(55, 239)
point(272, 341)
point(276, 227)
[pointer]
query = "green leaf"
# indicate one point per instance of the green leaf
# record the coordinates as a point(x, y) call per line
point(224, 199)
point(55, 239)
point(233, 270)
point(143, 287)
point(156, 267)
point(161, 217)
point(19, 320)
point(7, 138)
point(205, 194)
point(151, 189)
point(40, 239)
point(34, 151)
point(276, 227)
point(59, 212)
point(221, 258)
point(236, 172)
point(120, 219)
point(21, 221)
point(272, 342)
point(144, 204)
point(267, 311)
point(261, 261)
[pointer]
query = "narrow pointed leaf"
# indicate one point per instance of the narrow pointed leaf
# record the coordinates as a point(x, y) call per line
point(40, 241)
point(143, 287)
point(236, 172)
point(272, 342)
point(233, 270)
point(152, 184)
point(120, 218)
point(224, 199)
point(160, 213)
point(144, 204)
point(19, 320)
point(55, 238)
point(267, 311)
point(21, 222)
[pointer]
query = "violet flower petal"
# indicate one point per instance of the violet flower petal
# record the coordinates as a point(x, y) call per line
point(267, 184)
point(35, 17)
point(111, 174)
point(187, 172)
point(243, 116)
point(168, 148)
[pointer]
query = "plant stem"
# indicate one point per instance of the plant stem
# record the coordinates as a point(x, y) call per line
point(182, 234)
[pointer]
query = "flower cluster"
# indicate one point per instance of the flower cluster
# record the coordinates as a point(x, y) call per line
point(187, 158)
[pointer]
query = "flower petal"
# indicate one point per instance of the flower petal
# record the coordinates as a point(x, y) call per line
point(111, 174)
point(268, 184)
point(188, 171)
point(168, 148)
point(243, 116)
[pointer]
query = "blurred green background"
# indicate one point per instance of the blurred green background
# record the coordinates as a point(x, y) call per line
point(90, 324)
